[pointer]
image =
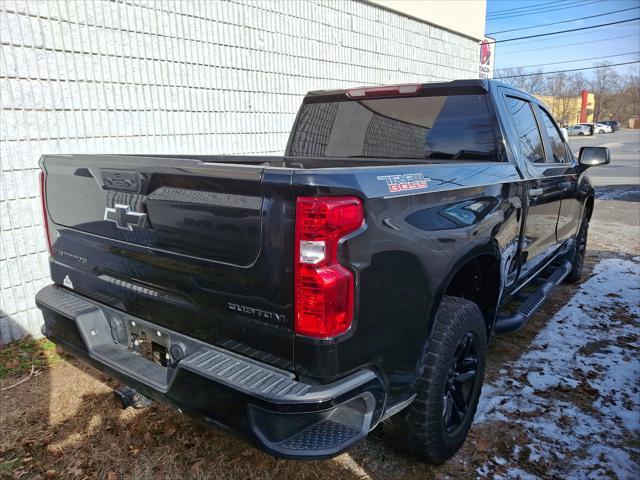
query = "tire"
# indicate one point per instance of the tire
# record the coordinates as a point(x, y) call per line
point(435, 431)
point(577, 263)
point(601, 131)
point(580, 134)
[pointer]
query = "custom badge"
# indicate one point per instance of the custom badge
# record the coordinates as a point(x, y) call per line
point(405, 182)
point(256, 312)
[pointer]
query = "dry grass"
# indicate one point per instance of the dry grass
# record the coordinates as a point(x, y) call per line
point(18, 358)
point(64, 424)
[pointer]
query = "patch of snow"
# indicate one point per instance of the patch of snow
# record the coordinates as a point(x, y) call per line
point(482, 471)
point(629, 193)
point(516, 474)
point(499, 461)
point(581, 397)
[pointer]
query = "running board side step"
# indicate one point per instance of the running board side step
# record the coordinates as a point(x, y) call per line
point(508, 322)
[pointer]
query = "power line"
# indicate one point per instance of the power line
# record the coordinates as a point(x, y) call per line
point(570, 61)
point(574, 44)
point(564, 21)
point(570, 70)
point(498, 12)
point(531, 9)
point(566, 31)
point(545, 10)
point(552, 40)
point(559, 6)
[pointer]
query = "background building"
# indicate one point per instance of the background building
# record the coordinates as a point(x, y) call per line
point(570, 110)
point(187, 76)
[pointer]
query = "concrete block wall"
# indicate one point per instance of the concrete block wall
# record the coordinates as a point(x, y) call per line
point(172, 76)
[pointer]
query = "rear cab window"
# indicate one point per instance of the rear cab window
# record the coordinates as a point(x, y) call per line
point(449, 127)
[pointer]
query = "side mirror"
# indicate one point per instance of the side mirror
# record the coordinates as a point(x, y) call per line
point(593, 156)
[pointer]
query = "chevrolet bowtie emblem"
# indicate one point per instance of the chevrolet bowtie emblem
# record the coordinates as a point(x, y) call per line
point(124, 218)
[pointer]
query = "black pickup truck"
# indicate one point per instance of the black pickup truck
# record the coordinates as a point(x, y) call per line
point(300, 300)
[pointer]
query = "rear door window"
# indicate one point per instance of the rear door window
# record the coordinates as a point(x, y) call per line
point(455, 127)
point(529, 139)
point(559, 150)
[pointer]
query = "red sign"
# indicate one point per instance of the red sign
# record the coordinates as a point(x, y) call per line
point(487, 54)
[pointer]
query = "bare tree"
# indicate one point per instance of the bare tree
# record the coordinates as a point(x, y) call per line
point(561, 88)
point(578, 83)
point(624, 102)
point(605, 85)
point(532, 82)
point(616, 96)
point(631, 94)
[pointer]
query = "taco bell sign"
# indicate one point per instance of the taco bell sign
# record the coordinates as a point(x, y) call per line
point(487, 57)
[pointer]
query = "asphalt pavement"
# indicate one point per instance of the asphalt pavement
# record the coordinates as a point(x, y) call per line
point(624, 169)
point(615, 225)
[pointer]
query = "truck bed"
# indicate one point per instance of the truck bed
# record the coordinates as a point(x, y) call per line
point(300, 162)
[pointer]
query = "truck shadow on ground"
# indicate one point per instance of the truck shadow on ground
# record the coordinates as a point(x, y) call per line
point(64, 423)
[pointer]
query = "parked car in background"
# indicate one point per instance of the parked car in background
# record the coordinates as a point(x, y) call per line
point(603, 128)
point(564, 132)
point(591, 127)
point(597, 127)
point(614, 124)
point(578, 130)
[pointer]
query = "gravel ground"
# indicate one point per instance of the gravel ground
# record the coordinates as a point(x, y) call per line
point(555, 405)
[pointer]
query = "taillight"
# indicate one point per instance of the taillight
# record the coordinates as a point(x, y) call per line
point(324, 294)
point(385, 91)
point(43, 202)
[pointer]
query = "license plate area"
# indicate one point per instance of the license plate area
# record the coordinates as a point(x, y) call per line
point(150, 343)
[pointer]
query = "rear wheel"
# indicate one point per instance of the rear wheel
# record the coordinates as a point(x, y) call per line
point(440, 417)
point(577, 263)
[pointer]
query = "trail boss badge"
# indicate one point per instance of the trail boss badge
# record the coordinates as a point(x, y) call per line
point(405, 182)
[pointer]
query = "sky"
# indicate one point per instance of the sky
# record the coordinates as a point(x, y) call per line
point(609, 41)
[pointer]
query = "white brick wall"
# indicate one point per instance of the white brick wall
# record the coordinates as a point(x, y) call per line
point(176, 77)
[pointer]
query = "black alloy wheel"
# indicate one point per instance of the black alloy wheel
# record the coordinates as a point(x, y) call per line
point(580, 250)
point(437, 422)
point(460, 384)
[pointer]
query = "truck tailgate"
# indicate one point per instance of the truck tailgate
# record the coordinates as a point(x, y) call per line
point(179, 242)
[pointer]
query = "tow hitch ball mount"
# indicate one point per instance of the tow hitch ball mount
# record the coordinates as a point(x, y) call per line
point(128, 397)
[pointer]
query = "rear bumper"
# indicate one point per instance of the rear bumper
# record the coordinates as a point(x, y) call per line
point(269, 407)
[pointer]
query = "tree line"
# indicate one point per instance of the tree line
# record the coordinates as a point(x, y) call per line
point(616, 95)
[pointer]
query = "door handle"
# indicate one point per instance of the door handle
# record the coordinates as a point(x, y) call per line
point(535, 192)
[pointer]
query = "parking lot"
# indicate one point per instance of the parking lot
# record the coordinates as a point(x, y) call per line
point(625, 152)
point(560, 400)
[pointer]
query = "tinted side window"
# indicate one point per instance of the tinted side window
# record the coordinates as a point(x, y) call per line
point(558, 147)
point(528, 134)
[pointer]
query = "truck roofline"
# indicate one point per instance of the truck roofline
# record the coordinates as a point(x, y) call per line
point(466, 86)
